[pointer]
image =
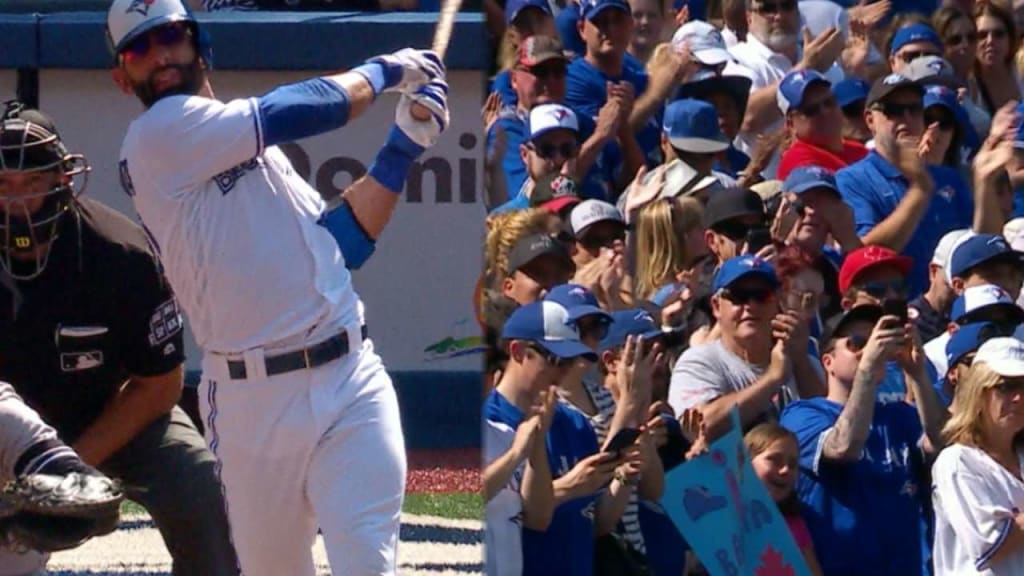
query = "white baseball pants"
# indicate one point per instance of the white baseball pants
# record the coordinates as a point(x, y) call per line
point(306, 449)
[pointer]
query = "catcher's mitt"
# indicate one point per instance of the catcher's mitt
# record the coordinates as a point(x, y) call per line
point(50, 513)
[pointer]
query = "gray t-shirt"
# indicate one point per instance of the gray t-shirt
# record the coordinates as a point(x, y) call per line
point(707, 371)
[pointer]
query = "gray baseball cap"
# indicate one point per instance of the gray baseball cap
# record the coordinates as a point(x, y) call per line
point(933, 70)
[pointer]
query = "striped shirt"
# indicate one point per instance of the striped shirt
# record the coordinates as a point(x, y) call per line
point(629, 528)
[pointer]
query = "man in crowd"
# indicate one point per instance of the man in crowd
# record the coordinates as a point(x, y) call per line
point(932, 307)
point(912, 42)
point(599, 232)
point(691, 134)
point(899, 202)
point(986, 259)
point(982, 303)
point(760, 363)
point(729, 217)
point(863, 473)
point(813, 116)
point(850, 95)
point(536, 263)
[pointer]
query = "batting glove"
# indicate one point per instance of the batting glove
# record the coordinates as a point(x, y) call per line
point(433, 97)
point(409, 69)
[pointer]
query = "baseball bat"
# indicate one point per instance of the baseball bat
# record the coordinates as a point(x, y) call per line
point(442, 35)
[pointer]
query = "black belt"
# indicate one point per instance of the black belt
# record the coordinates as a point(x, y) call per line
point(316, 355)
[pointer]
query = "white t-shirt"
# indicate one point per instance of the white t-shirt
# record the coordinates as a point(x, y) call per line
point(503, 536)
point(235, 226)
point(975, 502)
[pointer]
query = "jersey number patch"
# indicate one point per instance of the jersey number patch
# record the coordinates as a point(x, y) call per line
point(164, 323)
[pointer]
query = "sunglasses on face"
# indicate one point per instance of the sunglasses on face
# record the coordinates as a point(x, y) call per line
point(167, 35)
point(550, 359)
point(594, 241)
point(813, 110)
point(744, 296)
point(995, 34)
point(945, 121)
point(880, 289)
point(856, 342)
point(897, 110)
point(547, 151)
point(1010, 387)
point(855, 110)
point(545, 71)
point(735, 231)
point(774, 7)
point(912, 55)
point(960, 39)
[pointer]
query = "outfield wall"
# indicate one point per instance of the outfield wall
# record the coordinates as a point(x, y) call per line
point(419, 285)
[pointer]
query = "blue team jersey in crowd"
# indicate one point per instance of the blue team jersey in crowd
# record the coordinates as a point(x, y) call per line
point(874, 188)
point(502, 84)
point(864, 517)
point(586, 92)
point(567, 547)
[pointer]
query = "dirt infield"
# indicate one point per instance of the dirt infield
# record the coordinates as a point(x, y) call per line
point(441, 471)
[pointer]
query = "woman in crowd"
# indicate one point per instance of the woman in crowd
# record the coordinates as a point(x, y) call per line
point(959, 39)
point(979, 492)
point(669, 236)
point(995, 79)
point(775, 455)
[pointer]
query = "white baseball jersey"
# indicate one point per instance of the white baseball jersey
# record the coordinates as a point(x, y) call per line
point(975, 502)
point(234, 224)
point(503, 534)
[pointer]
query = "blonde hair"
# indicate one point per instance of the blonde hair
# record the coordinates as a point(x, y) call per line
point(503, 231)
point(965, 425)
point(661, 229)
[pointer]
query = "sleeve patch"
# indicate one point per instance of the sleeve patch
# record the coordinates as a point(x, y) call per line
point(165, 323)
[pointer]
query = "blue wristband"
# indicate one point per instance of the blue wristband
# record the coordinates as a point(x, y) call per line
point(392, 164)
point(376, 74)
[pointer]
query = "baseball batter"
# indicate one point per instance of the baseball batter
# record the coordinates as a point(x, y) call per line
point(298, 406)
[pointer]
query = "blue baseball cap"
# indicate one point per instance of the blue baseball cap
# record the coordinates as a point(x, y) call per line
point(568, 31)
point(986, 302)
point(850, 90)
point(625, 323)
point(514, 7)
point(577, 300)
point(936, 95)
point(807, 178)
point(914, 33)
point(589, 9)
point(692, 126)
point(547, 325)
point(979, 249)
point(968, 338)
point(735, 269)
point(793, 86)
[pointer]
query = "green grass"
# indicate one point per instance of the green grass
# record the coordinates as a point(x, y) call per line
point(455, 505)
point(460, 505)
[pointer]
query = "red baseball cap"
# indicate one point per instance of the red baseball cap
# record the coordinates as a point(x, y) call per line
point(868, 257)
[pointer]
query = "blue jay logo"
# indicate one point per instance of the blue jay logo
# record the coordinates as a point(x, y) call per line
point(698, 502)
point(140, 7)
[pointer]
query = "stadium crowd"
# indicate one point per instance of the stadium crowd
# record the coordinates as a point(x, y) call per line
point(806, 210)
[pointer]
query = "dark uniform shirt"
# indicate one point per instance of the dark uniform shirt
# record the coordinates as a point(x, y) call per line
point(930, 322)
point(100, 312)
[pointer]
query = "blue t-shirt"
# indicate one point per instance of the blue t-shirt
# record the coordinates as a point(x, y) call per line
point(864, 517)
point(874, 188)
point(893, 388)
point(586, 91)
point(735, 162)
point(566, 548)
point(513, 125)
point(502, 84)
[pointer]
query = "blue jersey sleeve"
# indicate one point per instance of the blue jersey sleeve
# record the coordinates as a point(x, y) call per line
point(855, 189)
point(809, 420)
point(585, 89)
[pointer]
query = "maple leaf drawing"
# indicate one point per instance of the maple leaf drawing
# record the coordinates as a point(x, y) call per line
point(773, 564)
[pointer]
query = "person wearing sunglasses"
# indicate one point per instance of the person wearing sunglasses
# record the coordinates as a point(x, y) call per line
point(761, 360)
point(584, 386)
point(597, 227)
point(942, 89)
point(986, 303)
point(523, 19)
point(904, 205)
point(815, 120)
point(959, 36)
point(557, 525)
point(851, 94)
point(978, 493)
point(986, 259)
point(960, 351)
point(536, 263)
point(862, 462)
point(912, 42)
point(729, 217)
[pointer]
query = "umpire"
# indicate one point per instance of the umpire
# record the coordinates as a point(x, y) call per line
point(91, 338)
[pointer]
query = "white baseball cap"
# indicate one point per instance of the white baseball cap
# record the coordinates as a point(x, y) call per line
point(1013, 231)
point(591, 212)
point(1004, 355)
point(547, 117)
point(960, 239)
point(705, 42)
point(945, 248)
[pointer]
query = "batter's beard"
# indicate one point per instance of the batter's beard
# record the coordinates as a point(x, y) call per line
point(192, 77)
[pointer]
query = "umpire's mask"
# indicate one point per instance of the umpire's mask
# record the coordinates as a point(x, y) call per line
point(29, 219)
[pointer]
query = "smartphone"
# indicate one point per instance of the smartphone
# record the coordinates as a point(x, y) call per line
point(758, 238)
point(895, 307)
point(623, 439)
